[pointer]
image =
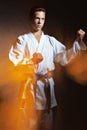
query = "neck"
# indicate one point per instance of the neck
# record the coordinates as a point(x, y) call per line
point(37, 34)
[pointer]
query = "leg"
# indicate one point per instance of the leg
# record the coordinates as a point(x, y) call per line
point(27, 120)
point(45, 120)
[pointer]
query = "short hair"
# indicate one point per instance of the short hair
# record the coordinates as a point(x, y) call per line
point(35, 9)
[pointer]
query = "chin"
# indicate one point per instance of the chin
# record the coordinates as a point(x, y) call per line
point(38, 29)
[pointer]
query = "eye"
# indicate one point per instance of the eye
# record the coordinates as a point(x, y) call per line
point(43, 18)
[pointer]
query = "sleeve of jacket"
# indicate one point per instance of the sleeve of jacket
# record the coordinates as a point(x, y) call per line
point(63, 56)
point(16, 53)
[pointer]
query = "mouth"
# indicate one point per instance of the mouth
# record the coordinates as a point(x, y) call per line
point(38, 26)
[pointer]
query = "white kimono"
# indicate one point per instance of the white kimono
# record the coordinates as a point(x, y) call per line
point(52, 51)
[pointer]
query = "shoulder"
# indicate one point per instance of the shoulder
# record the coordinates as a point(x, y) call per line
point(20, 40)
point(50, 37)
point(22, 37)
point(54, 41)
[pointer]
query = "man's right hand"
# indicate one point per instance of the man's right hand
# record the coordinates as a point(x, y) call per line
point(37, 58)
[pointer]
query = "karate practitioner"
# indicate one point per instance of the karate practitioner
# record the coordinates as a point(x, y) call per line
point(41, 51)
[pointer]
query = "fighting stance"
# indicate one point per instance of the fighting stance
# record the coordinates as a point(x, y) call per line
point(38, 52)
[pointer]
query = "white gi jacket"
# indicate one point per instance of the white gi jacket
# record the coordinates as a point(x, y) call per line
point(52, 51)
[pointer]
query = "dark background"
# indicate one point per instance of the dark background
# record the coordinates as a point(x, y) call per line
point(64, 18)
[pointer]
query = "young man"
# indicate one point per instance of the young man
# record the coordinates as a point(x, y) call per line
point(41, 51)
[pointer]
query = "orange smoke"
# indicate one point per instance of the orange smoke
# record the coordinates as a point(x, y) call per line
point(77, 69)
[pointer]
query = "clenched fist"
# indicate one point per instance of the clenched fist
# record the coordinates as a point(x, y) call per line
point(37, 58)
point(80, 34)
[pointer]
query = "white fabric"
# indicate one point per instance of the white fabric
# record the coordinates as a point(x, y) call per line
point(51, 50)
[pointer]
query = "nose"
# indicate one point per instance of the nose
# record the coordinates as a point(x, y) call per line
point(39, 21)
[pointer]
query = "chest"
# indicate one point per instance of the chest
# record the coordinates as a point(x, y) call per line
point(44, 47)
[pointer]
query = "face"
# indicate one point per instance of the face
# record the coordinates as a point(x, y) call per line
point(39, 20)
